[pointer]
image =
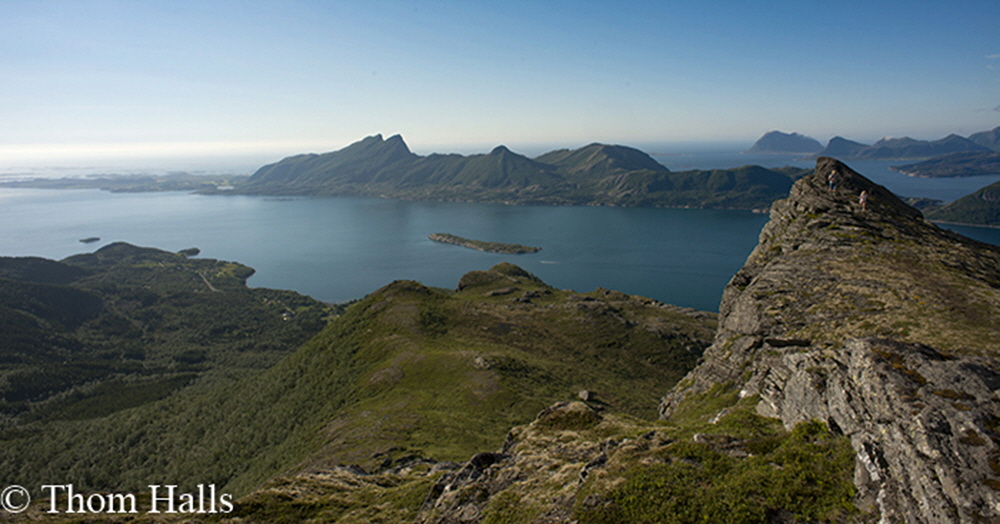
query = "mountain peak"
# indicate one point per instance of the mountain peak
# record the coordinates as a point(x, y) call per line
point(500, 150)
point(814, 192)
point(862, 318)
point(397, 139)
point(779, 142)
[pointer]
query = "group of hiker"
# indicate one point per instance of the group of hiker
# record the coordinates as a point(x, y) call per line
point(833, 179)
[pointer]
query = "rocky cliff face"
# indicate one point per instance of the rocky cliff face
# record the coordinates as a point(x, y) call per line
point(883, 326)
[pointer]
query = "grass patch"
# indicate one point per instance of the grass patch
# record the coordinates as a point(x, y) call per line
point(808, 474)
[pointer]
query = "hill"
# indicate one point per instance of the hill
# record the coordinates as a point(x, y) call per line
point(98, 333)
point(596, 174)
point(408, 375)
point(982, 207)
point(600, 160)
point(778, 142)
point(975, 163)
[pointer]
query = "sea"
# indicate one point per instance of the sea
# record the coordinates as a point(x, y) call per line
point(336, 249)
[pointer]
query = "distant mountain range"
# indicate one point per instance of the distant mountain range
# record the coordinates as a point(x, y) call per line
point(596, 174)
point(972, 163)
point(898, 148)
point(904, 148)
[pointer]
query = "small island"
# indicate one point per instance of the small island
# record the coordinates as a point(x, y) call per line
point(492, 247)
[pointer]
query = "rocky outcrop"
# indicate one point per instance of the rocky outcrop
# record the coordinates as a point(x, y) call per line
point(539, 470)
point(878, 323)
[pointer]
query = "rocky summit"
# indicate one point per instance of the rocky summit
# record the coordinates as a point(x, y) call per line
point(872, 320)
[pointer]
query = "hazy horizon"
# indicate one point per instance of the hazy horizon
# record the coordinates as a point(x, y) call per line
point(248, 162)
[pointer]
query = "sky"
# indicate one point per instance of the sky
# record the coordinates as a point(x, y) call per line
point(84, 80)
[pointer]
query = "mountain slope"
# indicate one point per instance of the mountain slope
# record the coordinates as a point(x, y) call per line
point(409, 373)
point(990, 139)
point(980, 207)
point(356, 164)
point(878, 324)
point(144, 321)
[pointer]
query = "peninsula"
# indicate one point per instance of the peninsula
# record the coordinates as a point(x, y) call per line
point(492, 247)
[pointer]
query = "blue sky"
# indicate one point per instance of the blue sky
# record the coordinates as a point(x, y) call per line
point(83, 79)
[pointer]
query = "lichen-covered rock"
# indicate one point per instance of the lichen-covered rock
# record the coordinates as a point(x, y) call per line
point(535, 476)
point(924, 427)
point(877, 322)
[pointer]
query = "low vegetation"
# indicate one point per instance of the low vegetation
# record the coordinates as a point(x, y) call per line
point(492, 247)
point(408, 373)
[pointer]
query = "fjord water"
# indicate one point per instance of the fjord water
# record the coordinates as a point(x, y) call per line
point(336, 249)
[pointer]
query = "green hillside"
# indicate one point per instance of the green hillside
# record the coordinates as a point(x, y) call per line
point(407, 372)
point(981, 207)
point(106, 331)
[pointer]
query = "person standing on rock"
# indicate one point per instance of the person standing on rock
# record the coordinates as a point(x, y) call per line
point(863, 200)
point(831, 180)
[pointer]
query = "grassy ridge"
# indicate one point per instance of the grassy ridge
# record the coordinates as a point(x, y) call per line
point(408, 371)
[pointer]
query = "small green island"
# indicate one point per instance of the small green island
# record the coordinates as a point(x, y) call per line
point(492, 247)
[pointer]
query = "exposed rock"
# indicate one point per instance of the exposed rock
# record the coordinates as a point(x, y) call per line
point(551, 445)
point(880, 324)
point(924, 427)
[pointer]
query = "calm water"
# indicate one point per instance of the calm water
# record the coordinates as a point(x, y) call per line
point(336, 249)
